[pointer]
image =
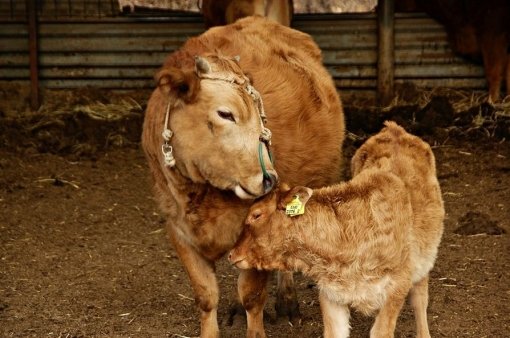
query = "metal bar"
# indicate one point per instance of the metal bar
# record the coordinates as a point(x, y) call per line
point(33, 53)
point(386, 50)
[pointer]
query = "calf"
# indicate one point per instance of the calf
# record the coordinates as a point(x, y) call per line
point(367, 242)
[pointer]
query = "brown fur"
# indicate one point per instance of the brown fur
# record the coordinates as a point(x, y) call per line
point(212, 154)
point(476, 29)
point(368, 242)
point(222, 12)
point(411, 159)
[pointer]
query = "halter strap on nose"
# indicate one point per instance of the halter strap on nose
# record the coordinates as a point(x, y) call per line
point(265, 174)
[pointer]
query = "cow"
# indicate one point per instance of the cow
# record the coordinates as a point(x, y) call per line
point(222, 12)
point(476, 30)
point(220, 100)
point(367, 242)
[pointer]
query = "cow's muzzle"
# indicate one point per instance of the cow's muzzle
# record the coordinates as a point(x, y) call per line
point(269, 181)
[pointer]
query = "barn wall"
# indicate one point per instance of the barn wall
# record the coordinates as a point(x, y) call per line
point(123, 52)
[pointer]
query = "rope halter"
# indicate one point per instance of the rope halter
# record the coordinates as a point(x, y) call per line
point(203, 71)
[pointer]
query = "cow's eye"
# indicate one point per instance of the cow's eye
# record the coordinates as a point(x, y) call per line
point(226, 115)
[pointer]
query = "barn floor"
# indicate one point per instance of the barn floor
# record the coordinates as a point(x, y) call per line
point(83, 251)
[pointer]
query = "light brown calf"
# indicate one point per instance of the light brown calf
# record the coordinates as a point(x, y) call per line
point(367, 243)
point(411, 159)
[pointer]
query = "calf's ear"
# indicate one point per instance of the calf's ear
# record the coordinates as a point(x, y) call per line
point(181, 84)
point(357, 161)
point(303, 193)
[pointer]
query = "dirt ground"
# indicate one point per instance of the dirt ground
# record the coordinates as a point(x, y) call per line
point(83, 250)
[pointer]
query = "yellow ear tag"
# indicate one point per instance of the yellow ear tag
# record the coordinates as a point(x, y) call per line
point(295, 207)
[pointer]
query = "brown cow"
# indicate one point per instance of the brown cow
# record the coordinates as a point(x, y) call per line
point(476, 29)
point(222, 12)
point(210, 161)
point(367, 242)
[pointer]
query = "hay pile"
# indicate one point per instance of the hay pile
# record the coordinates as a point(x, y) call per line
point(88, 121)
point(438, 114)
point(79, 122)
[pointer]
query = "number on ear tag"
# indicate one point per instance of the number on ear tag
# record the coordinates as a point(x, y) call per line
point(295, 207)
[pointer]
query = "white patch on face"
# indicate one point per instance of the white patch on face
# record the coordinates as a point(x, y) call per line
point(243, 194)
point(242, 264)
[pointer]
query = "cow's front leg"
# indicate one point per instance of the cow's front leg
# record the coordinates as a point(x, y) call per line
point(204, 284)
point(286, 299)
point(252, 290)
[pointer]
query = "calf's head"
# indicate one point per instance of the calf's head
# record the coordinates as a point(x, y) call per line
point(264, 242)
point(216, 118)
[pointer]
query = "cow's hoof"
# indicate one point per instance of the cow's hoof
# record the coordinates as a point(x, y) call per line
point(288, 307)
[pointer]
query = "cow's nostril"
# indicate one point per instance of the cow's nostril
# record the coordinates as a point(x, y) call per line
point(269, 182)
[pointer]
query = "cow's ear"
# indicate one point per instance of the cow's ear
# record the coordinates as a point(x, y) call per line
point(303, 193)
point(202, 66)
point(179, 83)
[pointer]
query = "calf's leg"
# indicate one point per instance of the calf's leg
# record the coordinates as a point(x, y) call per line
point(419, 297)
point(335, 317)
point(386, 320)
point(252, 289)
point(204, 284)
point(286, 299)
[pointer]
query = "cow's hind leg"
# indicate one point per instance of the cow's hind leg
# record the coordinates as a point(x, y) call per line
point(204, 284)
point(253, 294)
point(286, 299)
point(419, 297)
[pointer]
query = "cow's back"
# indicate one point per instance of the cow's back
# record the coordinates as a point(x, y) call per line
point(300, 99)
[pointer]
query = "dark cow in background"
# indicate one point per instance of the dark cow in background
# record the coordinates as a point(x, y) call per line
point(477, 29)
point(223, 12)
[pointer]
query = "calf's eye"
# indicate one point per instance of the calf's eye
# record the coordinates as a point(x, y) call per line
point(226, 115)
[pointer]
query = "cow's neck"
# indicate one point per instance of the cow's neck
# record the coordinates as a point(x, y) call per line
point(208, 217)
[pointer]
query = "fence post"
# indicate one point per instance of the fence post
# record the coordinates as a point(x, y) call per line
point(33, 53)
point(386, 50)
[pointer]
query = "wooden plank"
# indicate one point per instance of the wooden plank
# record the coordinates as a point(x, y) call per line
point(33, 46)
point(386, 50)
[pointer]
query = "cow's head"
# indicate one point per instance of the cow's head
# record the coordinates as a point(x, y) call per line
point(264, 242)
point(216, 118)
